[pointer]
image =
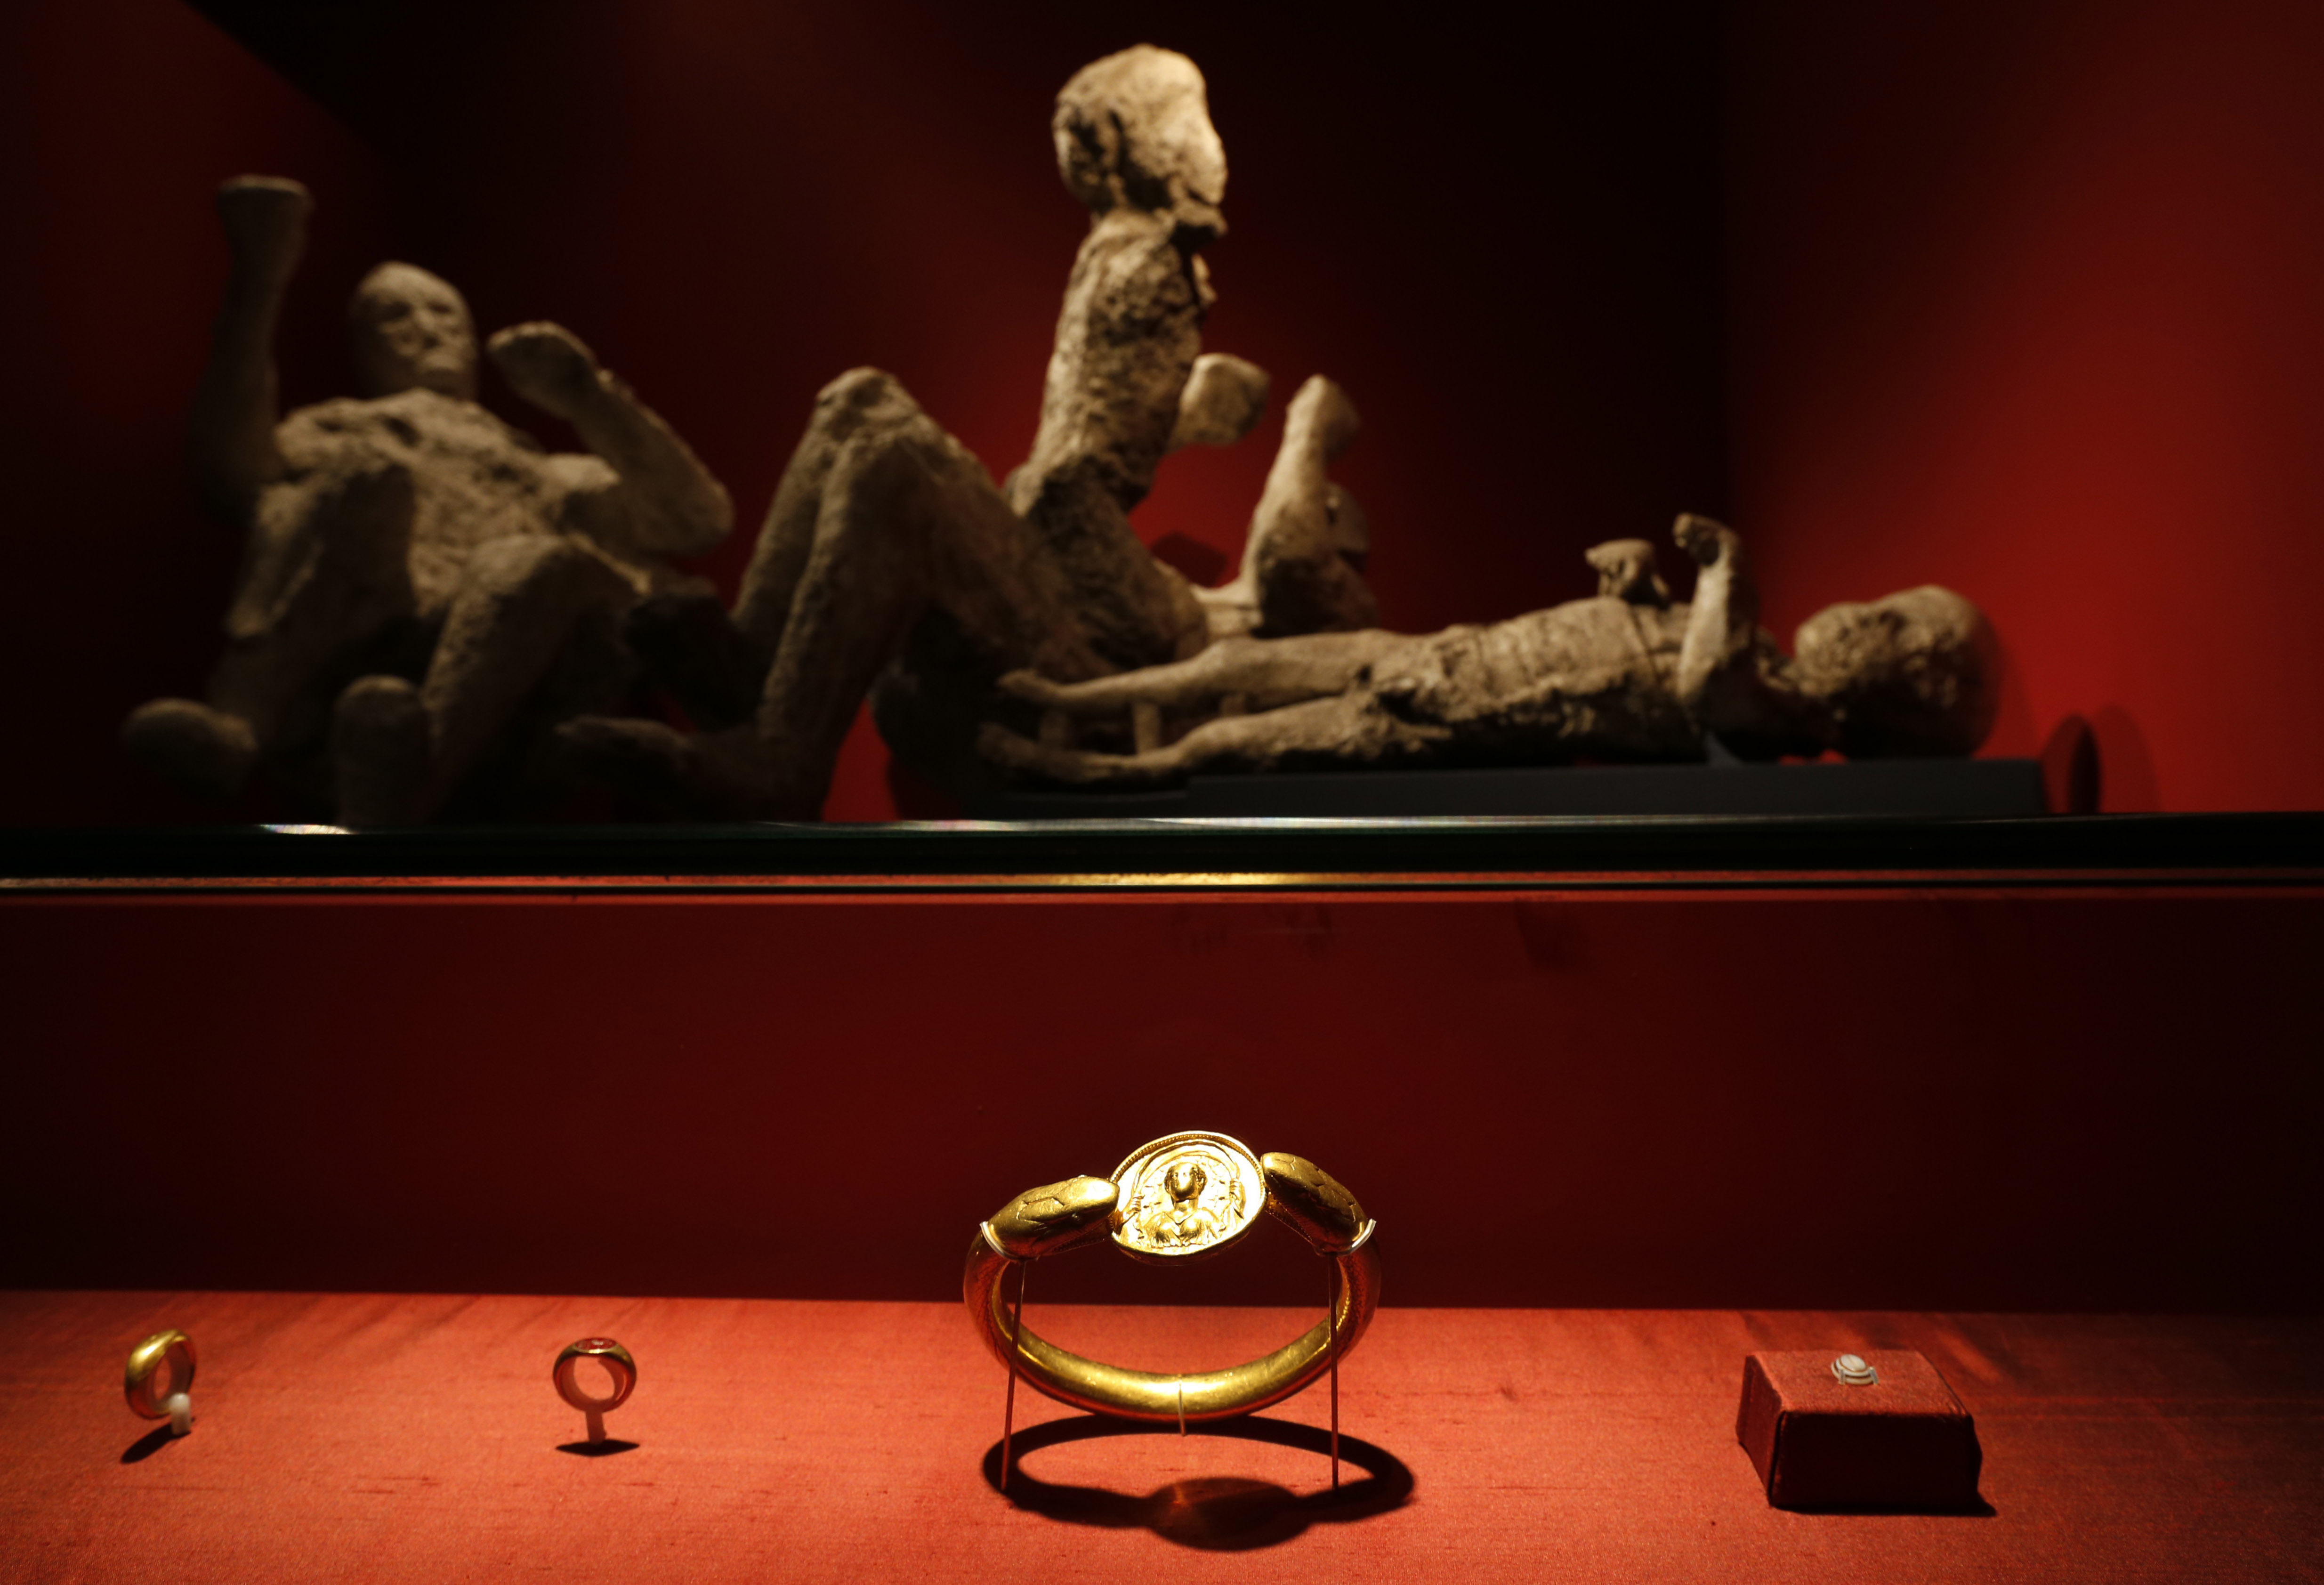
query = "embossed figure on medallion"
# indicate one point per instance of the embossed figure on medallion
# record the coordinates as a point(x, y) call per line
point(1188, 1195)
point(1183, 1220)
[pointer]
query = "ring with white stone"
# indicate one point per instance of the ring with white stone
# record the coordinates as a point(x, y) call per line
point(160, 1376)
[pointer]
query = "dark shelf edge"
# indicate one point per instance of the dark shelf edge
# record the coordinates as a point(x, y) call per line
point(1188, 852)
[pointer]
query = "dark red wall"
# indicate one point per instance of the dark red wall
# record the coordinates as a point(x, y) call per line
point(1855, 1098)
point(2028, 300)
point(119, 117)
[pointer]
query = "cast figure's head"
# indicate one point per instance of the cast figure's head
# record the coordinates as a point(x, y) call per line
point(1134, 129)
point(1914, 675)
point(412, 329)
point(1184, 1181)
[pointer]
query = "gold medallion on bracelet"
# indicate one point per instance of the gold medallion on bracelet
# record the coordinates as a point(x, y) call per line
point(1185, 1197)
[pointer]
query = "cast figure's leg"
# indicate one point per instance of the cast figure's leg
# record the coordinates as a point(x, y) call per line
point(880, 517)
point(908, 519)
point(1262, 674)
point(720, 667)
point(399, 750)
point(1345, 729)
point(1303, 560)
point(717, 665)
point(323, 575)
point(859, 400)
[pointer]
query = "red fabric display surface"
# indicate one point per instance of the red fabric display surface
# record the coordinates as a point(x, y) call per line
point(364, 1437)
point(1901, 1441)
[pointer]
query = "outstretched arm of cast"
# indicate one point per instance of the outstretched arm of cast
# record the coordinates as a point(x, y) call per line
point(652, 495)
point(1731, 678)
point(235, 451)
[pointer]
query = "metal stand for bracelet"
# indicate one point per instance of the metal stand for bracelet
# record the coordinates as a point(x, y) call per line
point(1332, 1319)
point(1016, 1331)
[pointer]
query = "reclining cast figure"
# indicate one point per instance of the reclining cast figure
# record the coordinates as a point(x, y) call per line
point(1628, 675)
point(418, 577)
point(889, 562)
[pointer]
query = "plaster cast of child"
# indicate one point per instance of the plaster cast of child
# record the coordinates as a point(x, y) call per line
point(1628, 675)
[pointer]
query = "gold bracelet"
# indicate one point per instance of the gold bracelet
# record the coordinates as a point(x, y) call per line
point(1182, 1198)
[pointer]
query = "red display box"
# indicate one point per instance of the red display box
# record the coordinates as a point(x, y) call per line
point(1824, 1437)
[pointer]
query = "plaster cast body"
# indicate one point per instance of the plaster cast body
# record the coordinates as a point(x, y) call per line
point(1627, 676)
point(417, 574)
point(891, 564)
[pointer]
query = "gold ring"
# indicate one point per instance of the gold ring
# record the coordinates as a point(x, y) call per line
point(618, 1364)
point(139, 1384)
point(1182, 1198)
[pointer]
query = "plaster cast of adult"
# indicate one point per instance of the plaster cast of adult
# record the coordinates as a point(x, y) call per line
point(1628, 675)
point(415, 568)
point(889, 558)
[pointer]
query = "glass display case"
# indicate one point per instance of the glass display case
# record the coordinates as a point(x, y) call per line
point(1629, 1101)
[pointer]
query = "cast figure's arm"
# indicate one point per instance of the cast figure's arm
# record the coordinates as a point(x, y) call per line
point(1731, 678)
point(1302, 559)
point(1224, 400)
point(235, 451)
point(648, 492)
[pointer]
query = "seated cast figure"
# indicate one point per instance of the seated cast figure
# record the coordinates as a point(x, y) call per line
point(890, 562)
point(1628, 675)
point(417, 573)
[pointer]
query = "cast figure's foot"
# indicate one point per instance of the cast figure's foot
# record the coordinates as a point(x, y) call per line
point(1332, 411)
point(380, 753)
point(1626, 571)
point(1062, 765)
point(705, 775)
point(692, 648)
point(200, 750)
